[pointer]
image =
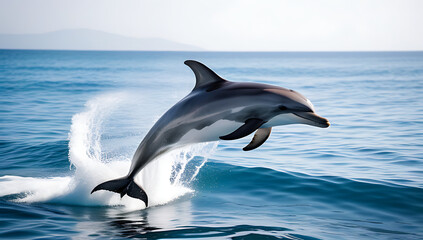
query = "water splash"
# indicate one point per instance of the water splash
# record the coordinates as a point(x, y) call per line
point(164, 180)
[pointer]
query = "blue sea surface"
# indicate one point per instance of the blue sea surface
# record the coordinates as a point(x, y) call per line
point(72, 119)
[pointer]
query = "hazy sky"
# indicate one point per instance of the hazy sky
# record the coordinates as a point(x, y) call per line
point(262, 25)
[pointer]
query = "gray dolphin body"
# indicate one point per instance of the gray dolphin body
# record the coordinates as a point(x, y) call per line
point(216, 109)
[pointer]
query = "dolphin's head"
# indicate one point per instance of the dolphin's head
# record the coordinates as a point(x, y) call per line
point(293, 107)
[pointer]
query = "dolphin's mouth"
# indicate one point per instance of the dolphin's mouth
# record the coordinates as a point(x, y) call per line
point(314, 118)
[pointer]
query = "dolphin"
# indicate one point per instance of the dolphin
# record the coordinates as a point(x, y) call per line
point(216, 109)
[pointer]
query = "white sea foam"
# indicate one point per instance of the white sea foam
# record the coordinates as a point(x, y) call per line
point(164, 179)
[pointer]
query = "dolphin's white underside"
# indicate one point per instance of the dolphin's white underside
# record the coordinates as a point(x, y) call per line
point(224, 127)
point(210, 133)
point(285, 119)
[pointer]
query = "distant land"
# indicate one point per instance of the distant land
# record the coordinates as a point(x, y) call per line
point(84, 39)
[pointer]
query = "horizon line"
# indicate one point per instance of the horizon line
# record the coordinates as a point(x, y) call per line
point(215, 51)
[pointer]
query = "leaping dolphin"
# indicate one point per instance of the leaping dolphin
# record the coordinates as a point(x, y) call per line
point(216, 109)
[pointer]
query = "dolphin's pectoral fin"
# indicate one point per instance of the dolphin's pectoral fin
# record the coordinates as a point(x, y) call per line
point(204, 76)
point(124, 186)
point(261, 135)
point(250, 126)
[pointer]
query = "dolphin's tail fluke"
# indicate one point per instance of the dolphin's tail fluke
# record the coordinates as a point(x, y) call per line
point(124, 186)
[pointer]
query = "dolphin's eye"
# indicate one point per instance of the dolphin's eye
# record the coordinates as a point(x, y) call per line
point(283, 108)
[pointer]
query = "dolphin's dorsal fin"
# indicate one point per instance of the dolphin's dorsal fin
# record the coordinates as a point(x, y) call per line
point(204, 75)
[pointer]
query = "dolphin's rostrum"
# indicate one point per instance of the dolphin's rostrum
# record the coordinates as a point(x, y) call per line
point(216, 109)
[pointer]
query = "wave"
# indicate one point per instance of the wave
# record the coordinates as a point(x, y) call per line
point(165, 179)
point(263, 186)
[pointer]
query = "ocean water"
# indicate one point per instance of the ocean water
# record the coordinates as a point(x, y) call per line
point(72, 119)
